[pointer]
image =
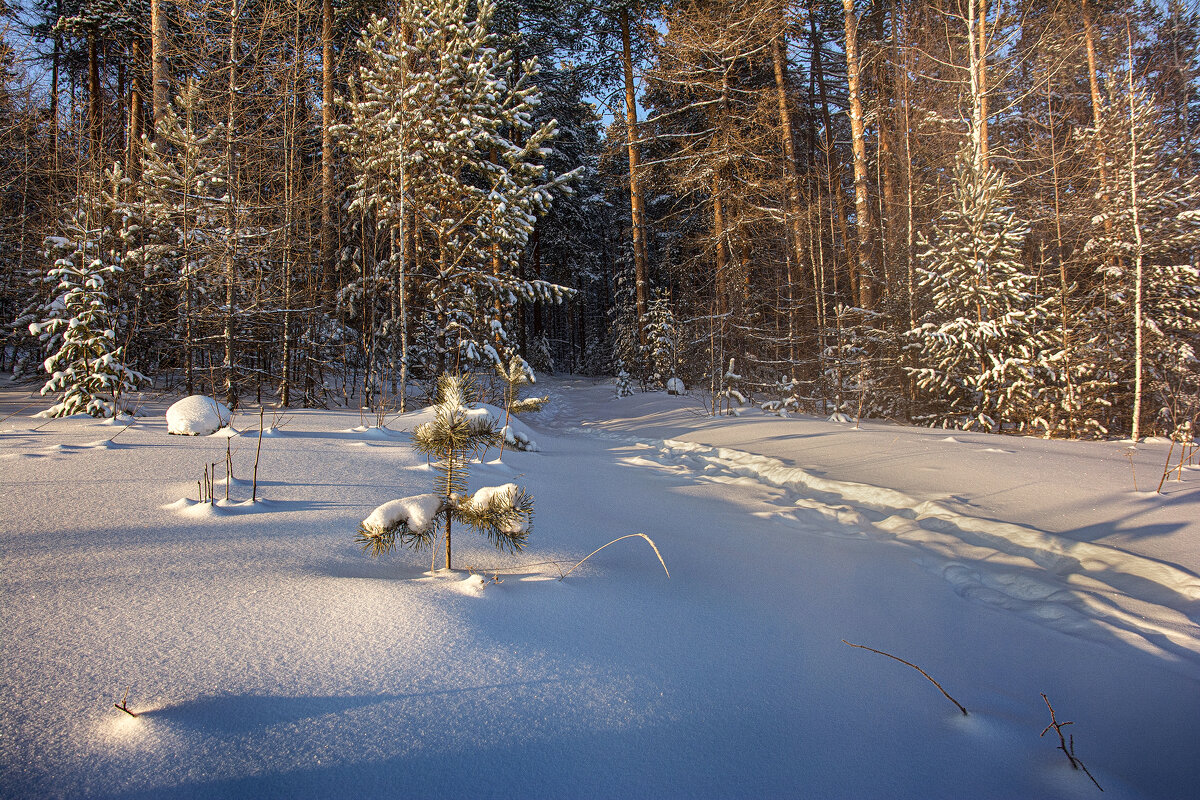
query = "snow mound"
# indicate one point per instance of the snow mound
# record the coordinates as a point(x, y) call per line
point(416, 511)
point(675, 386)
point(197, 415)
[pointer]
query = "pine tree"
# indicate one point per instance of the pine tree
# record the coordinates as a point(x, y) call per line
point(86, 365)
point(503, 514)
point(173, 230)
point(978, 342)
point(440, 128)
point(1145, 244)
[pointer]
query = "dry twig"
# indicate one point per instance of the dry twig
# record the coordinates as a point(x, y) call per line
point(914, 666)
point(122, 705)
point(1068, 749)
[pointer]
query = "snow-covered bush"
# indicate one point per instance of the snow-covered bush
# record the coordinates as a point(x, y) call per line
point(197, 415)
point(504, 514)
point(731, 395)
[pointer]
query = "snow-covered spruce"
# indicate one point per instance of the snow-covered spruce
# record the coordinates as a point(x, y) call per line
point(504, 514)
point(979, 341)
point(78, 327)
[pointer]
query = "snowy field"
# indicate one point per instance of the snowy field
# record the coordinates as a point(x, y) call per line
point(267, 656)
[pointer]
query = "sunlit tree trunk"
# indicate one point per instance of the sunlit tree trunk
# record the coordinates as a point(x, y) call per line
point(635, 192)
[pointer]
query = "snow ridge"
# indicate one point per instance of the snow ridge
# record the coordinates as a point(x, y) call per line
point(1080, 588)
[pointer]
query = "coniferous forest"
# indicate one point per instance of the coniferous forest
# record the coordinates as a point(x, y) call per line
point(953, 212)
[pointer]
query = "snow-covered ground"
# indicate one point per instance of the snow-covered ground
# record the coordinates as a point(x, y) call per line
point(267, 656)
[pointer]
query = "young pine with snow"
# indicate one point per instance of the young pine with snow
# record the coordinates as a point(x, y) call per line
point(503, 514)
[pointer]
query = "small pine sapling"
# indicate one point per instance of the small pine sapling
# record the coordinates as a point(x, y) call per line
point(624, 385)
point(503, 514)
point(731, 390)
point(516, 374)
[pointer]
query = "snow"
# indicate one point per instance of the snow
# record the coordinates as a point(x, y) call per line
point(484, 496)
point(267, 655)
point(418, 511)
point(197, 415)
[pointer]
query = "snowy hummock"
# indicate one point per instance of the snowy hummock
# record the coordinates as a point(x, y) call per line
point(417, 512)
point(197, 415)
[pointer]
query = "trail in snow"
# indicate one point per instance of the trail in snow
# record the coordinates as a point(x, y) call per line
point(1080, 588)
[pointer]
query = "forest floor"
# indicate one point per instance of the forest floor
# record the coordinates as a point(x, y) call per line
point(267, 656)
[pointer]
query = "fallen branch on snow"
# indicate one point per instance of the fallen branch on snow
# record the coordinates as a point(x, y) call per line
point(918, 669)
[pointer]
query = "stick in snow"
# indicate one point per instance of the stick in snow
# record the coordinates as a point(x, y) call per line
point(121, 705)
point(914, 666)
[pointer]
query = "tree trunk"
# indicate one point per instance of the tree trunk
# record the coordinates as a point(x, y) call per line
point(793, 193)
point(134, 143)
point(635, 191)
point(862, 206)
point(1138, 252)
point(831, 153)
point(231, 244)
point(327, 232)
point(95, 103)
point(981, 68)
point(1089, 40)
point(158, 63)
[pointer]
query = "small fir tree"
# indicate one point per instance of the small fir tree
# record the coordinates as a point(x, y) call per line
point(977, 345)
point(662, 341)
point(87, 365)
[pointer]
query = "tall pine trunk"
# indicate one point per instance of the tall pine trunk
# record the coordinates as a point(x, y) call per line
point(635, 192)
point(231, 245)
point(862, 206)
point(327, 232)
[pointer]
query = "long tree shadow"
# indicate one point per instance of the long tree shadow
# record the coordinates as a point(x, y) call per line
point(225, 714)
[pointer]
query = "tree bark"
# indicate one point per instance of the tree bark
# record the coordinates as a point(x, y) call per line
point(231, 244)
point(327, 139)
point(1135, 432)
point(158, 64)
point(95, 103)
point(635, 192)
point(134, 137)
point(862, 206)
point(793, 192)
point(981, 67)
point(831, 153)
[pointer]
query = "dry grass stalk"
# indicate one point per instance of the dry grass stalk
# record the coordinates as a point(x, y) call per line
point(614, 541)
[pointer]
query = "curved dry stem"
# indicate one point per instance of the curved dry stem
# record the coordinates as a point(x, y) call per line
point(614, 541)
point(961, 707)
